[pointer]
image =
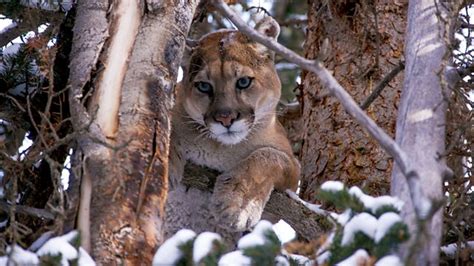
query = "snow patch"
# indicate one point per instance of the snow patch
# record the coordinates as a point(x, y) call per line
point(362, 222)
point(60, 245)
point(323, 257)
point(179, 77)
point(370, 226)
point(284, 231)
point(8, 27)
point(11, 49)
point(235, 258)
point(373, 203)
point(301, 260)
point(342, 218)
point(360, 257)
point(384, 223)
point(332, 186)
point(4, 222)
point(281, 261)
point(390, 260)
point(451, 249)
point(203, 245)
point(169, 253)
point(19, 256)
point(256, 237)
point(316, 208)
point(251, 240)
point(84, 258)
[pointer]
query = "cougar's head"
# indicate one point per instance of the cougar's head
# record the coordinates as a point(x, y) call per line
point(231, 86)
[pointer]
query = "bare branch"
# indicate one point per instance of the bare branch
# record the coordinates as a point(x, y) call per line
point(48, 6)
point(31, 20)
point(382, 84)
point(39, 213)
point(14, 30)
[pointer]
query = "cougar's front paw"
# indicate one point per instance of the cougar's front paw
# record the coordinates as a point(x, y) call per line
point(233, 208)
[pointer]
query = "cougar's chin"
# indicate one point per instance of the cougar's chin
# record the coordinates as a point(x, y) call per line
point(229, 136)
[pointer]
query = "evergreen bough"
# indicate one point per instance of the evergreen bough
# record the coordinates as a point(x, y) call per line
point(370, 223)
point(390, 232)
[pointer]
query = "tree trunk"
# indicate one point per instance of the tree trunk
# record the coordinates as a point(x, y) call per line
point(366, 43)
point(136, 48)
point(421, 123)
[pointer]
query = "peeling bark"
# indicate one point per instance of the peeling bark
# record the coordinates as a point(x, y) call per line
point(127, 174)
point(124, 24)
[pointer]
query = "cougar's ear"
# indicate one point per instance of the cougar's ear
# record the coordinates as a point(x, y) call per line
point(190, 47)
point(270, 28)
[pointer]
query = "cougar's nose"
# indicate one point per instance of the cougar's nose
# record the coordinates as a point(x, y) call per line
point(226, 117)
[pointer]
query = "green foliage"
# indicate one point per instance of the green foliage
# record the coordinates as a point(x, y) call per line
point(397, 234)
point(260, 254)
point(390, 231)
point(19, 68)
point(12, 9)
point(218, 249)
point(340, 252)
point(55, 259)
point(187, 251)
point(353, 203)
point(265, 254)
point(51, 260)
point(341, 199)
point(384, 209)
point(293, 262)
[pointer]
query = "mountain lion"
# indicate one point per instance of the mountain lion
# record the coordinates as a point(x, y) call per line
point(224, 119)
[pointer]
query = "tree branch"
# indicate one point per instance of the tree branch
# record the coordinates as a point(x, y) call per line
point(452, 74)
point(382, 84)
point(31, 19)
point(422, 204)
point(308, 224)
point(39, 213)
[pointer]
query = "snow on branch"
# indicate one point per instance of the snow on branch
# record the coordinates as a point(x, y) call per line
point(423, 206)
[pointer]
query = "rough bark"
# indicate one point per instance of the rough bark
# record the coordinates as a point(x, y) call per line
point(421, 124)
point(365, 44)
point(125, 164)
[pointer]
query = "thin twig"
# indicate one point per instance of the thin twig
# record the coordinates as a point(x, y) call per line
point(39, 213)
point(382, 84)
point(15, 101)
point(35, 126)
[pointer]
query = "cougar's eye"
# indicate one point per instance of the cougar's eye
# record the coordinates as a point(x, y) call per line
point(204, 87)
point(243, 83)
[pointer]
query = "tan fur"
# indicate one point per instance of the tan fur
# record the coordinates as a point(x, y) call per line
point(257, 164)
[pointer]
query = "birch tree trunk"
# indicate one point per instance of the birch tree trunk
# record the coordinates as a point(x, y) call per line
point(366, 43)
point(421, 123)
point(124, 64)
